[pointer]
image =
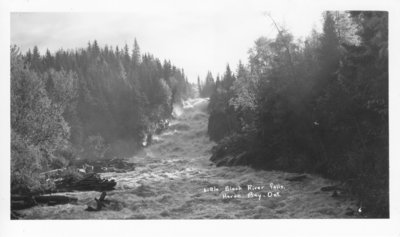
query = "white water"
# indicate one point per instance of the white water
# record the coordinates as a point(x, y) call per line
point(172, 173)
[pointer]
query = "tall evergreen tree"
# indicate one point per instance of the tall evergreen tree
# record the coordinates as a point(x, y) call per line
point(136, 54)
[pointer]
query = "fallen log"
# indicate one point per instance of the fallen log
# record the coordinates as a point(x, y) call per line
point(52, 200)
point(91, 182)
point(52, 173)
point(101, 202)
point(19, 202)
point(105, 165)
point(297, 178)
point(331, 188)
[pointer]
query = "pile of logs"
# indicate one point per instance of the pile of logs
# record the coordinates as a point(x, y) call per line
point(90, 182)
point(104, 165)
point(84, 177)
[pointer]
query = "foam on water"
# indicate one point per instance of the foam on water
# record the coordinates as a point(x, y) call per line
point(172, 173)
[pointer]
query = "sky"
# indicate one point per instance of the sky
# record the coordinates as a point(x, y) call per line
point(195, 39)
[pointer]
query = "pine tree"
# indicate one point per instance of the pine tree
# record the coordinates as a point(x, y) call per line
point(136, 54)
point(199, 88)
point(48, 60)
point(228, 78)
point(35, 61)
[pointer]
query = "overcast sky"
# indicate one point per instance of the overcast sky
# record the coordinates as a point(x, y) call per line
point(196, 40)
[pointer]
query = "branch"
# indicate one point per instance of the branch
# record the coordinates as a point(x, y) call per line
point(285, 43)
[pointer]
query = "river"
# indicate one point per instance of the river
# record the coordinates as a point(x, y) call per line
point(174, 179)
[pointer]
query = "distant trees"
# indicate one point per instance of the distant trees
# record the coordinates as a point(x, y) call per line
point(223, 119)
point(206, 89)
point(317, 106)
point(81, 102)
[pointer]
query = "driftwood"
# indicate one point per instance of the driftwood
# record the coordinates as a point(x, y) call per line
point(105, 165)
point(297, 178)
point(19, 202)
point(331, 188)
point(338, 190)
point(52, 200)
point(101, 202)
point(91, 182)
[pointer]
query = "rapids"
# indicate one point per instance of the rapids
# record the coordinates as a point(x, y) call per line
point(174, 179)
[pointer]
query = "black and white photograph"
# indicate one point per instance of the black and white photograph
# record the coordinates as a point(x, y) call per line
point(198, 111)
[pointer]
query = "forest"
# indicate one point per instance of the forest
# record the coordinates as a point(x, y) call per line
point(318, 105)
point(89, 103)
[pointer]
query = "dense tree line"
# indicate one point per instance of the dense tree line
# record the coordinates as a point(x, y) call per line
point(93, 102)
point(318, 105)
